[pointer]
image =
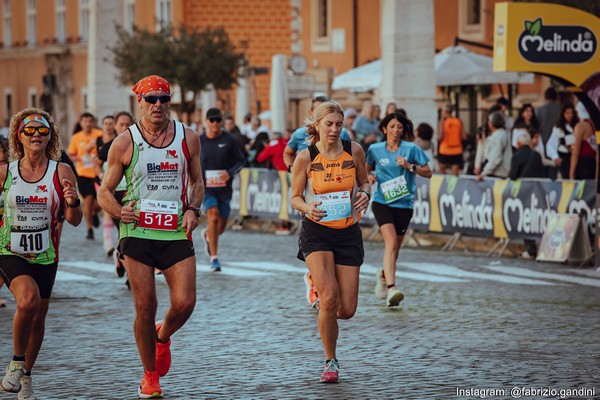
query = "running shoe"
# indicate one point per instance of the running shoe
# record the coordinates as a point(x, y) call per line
point(317, 305)
point(2, 302)
point(95, 221)
point(120, 268)
point(215, 265)
point(163, 353)
point(394, 297)
point(90, 234)
point(150, 387)
point(331, 372)
point(311, 292)
point(26, 392)
point(380, 285)
point(12, 379)
point(204, 234)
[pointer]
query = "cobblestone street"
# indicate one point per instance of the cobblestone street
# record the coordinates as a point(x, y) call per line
point(467, 321)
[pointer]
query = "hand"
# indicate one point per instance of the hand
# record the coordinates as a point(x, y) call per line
point(224, 177)
point(128, 214)
point(479, 178)
point(558, 162)
point(362, 202)
point(70, 194)
point(476, 171)
point(314, 213)
point(189, 221)
point(401, 161)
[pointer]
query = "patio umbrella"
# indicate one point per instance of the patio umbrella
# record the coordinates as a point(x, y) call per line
point(454, 66)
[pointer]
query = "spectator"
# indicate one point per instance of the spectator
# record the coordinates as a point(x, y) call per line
point(482, 133)
point(497, 152)
point(585, 148)
point(377, 112)
point(260, 142)
point(527, 163)
point(504, 105)
point(4, 129)
point(450, 137)
point(366, 126)
point(525, 121)
point(423, 140)
point(241, 139)
point(274, 153)
point(558, 147)
point(350, 115)
point(255, 127)
point(391, 108)
point(547, 114)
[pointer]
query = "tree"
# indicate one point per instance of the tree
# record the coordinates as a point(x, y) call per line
point(592, 7)
point(191, 59)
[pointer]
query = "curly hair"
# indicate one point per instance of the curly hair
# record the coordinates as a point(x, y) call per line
point(54, 146)
point(328, 107)
point(408, 133)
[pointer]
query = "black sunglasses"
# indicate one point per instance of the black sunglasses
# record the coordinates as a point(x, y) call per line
point(215, 119)
point(164, 98)
point(31, 130)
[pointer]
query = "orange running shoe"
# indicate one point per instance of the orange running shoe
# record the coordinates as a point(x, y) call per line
point(311, 292)
point(163, 354)
point(150, 388)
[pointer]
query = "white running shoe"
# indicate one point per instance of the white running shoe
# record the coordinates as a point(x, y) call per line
point(380, 285)
point(394, 297)
point(26, 392)
point(12, 379)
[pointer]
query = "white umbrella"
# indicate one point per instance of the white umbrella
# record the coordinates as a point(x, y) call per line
point(458, 66)
point(453, 66)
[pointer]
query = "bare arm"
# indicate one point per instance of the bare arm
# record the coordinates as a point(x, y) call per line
point(119, 152)
point(288, 156)
point(196, 184)
point(73, 215)
point(362, 178)
point(299, 177)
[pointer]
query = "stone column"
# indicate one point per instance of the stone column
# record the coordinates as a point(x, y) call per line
point(408, 49)
point(105, 94)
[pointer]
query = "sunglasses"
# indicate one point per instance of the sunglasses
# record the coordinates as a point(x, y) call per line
point(31, 130)
point(165, 98)
point(215, 119)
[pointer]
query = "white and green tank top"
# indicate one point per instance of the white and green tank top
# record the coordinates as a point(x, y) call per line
point(31, 210)
point(157, 179)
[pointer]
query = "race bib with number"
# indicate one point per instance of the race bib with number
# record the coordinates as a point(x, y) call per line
point(337, 205)
point(159, 215)
point(394, 189)
point(30, 242)
point(213, 178)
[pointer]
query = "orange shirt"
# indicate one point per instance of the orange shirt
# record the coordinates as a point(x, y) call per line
point(451, 144)
point(85, 159)
point(333, 176)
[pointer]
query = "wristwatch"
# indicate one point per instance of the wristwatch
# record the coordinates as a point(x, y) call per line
point(196, 210)
point(413, 168)
point(75, 205)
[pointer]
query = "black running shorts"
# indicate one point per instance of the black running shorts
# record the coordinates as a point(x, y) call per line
point(161, 254)
point(385, 214)
point(44, 275)
point(346, 244)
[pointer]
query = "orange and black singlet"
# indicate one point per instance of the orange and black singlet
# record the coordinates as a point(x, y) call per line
point(333, 182)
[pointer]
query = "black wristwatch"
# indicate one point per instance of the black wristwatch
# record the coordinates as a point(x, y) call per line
point(75, 205)
point(196, 210)
point(414, 168)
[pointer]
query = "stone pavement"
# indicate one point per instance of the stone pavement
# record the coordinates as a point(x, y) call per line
point(466, 322)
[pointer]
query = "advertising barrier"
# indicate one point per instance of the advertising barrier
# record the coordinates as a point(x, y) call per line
point(498, 208)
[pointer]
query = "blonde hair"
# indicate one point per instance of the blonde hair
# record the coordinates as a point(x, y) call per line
point(16, 148)
point(324, 109)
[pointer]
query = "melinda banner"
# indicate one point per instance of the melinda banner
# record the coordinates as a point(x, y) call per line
point(498, 208)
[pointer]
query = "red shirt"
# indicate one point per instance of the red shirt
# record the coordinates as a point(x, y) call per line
point(274, 151)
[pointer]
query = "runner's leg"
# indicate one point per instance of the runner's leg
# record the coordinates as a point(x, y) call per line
point(181, 279)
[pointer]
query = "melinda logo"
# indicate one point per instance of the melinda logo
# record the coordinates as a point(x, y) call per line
point(559, 44)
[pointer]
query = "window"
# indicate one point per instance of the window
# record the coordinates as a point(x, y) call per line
point(8, 103)
point(84, 20)
point(129, 15)
point(61, 11)
point(321, 25)
point(471, 19)
point(31, 21)
point(32, 96)
point(163, 13)
point(6, 17)
point(84, 99)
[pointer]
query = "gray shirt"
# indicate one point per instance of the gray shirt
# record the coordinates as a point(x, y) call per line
point(498, 153)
